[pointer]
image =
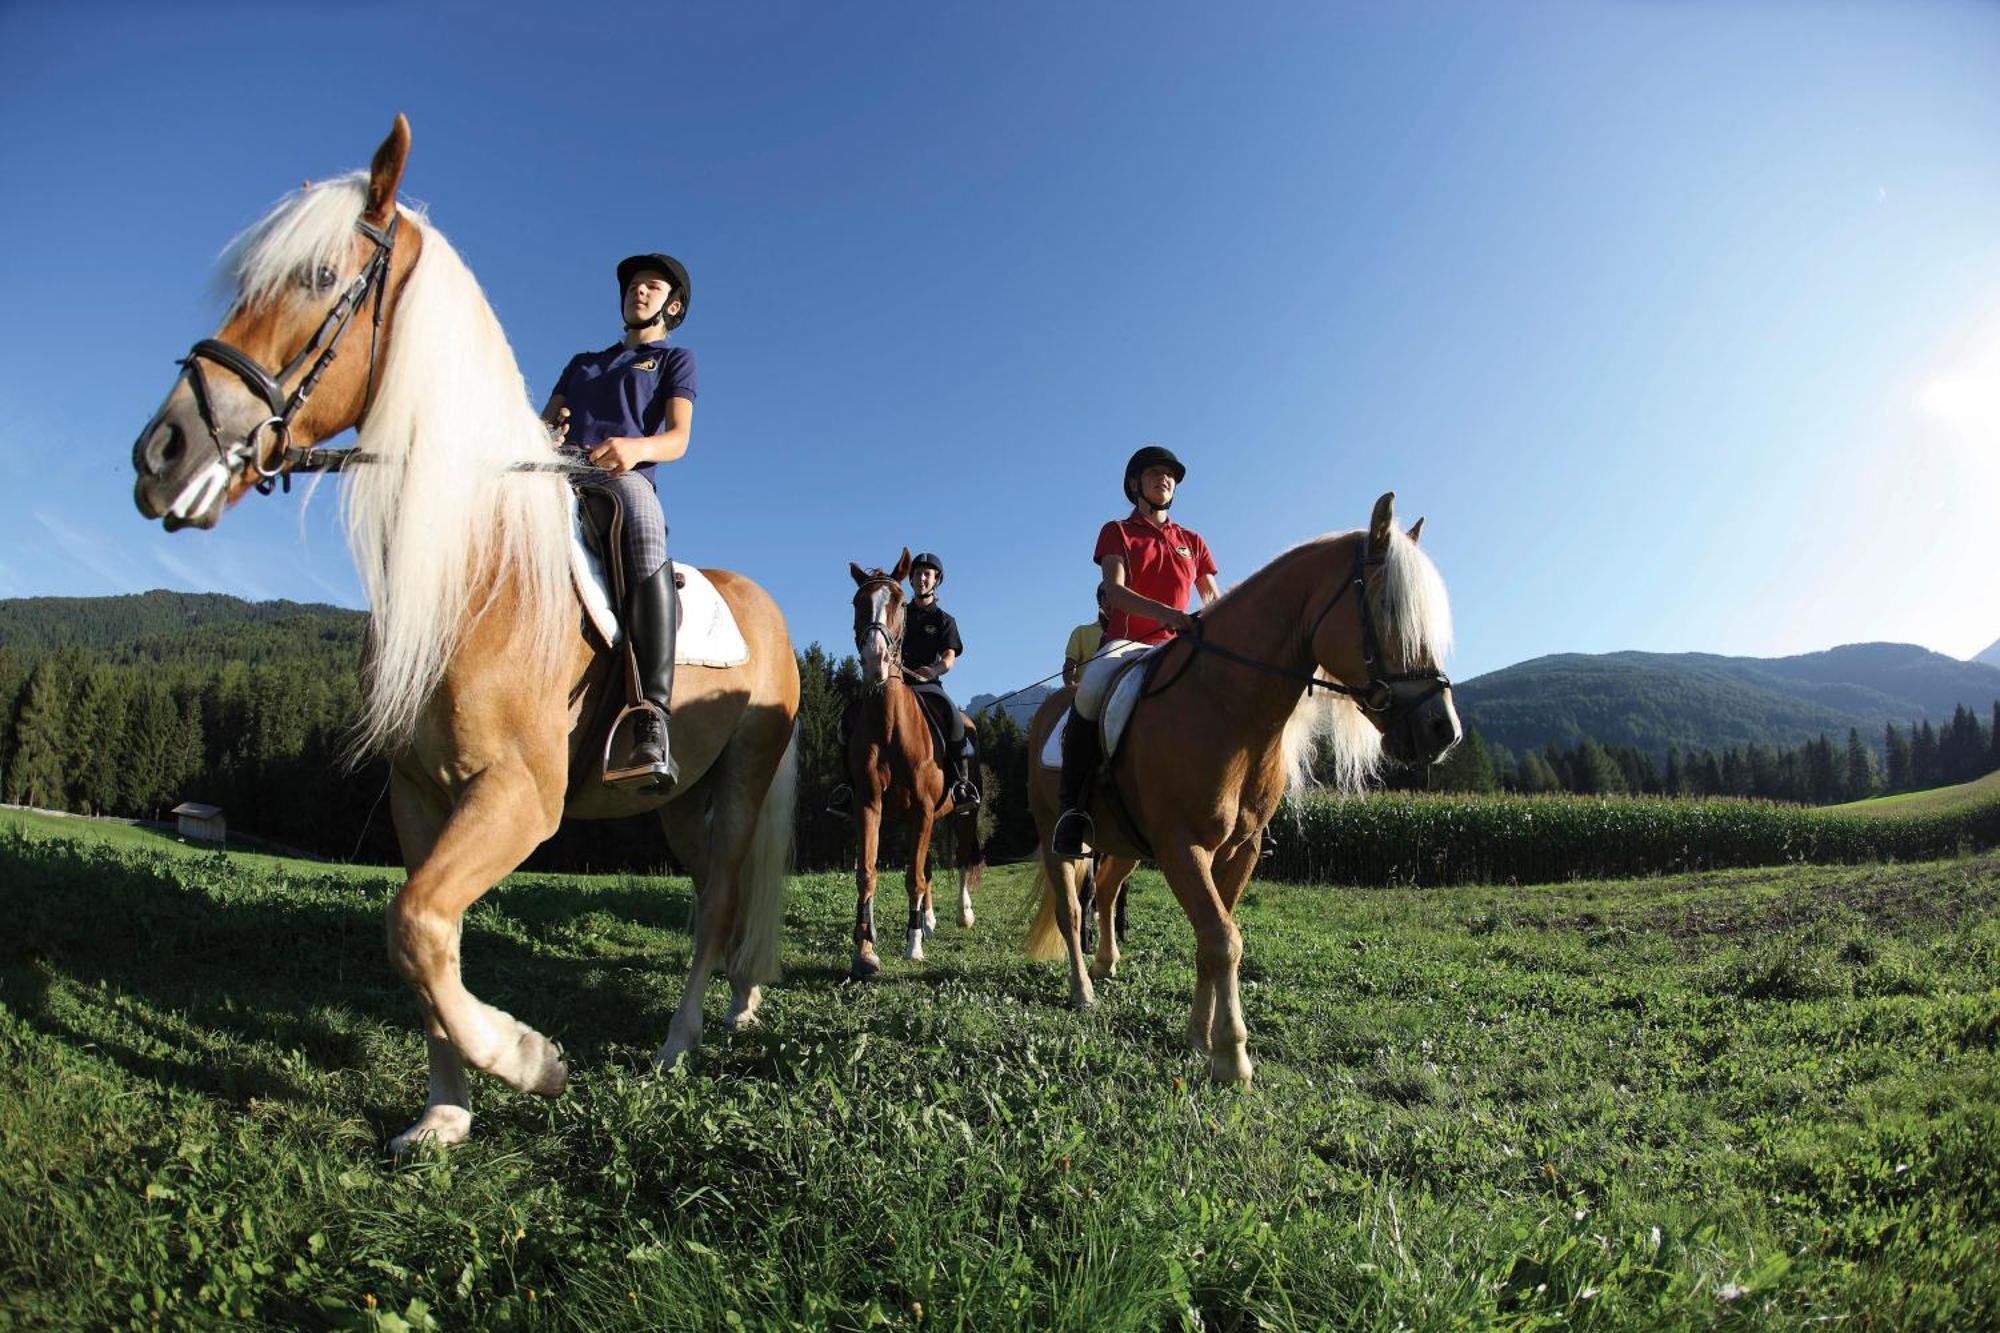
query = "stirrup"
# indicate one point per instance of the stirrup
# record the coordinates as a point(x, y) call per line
point(964, 795)
point(840, 802)
point(1072, 835)
point(630, 776)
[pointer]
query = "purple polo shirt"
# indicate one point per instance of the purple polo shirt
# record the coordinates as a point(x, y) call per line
point(624, 391)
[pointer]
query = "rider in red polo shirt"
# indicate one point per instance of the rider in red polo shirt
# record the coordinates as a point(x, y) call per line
point(1149, 564)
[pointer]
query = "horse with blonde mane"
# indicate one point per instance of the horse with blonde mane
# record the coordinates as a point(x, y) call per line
point(481, 686)
point(895, 771)
point(1229, 720)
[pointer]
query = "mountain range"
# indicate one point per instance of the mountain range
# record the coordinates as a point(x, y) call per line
point(1701, 700)
point(1648, 700)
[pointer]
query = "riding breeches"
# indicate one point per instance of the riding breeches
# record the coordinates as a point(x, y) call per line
point(1099, 672)
point(645, 525)
point(955, 732)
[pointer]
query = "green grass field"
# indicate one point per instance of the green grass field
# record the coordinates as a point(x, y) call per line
point(1755, 1098)
point(1938, 800)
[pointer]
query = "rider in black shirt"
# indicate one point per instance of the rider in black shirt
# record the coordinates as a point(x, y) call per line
point(930, 648)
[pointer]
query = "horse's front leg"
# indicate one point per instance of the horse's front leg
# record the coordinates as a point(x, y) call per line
point(1218, 951)
point(498, 820)
point(923, 920)
point(869, 818)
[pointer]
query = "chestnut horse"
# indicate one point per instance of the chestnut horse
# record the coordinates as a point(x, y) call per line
point(481, 687)
point(893, 767)
point(1227, 721)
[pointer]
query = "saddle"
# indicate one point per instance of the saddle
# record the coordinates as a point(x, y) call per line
point(708, 637)
point(1130, 677)
point(937, 715)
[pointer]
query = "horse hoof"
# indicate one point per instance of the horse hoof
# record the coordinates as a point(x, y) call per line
point(742, 1013)
point(1082, 999)
point(669, 1055)
point(930, 923)
point(1099, 971)
point(965, 918)
point(1229, 1066)
point(863, 968)
point(914, 951)
point(442, 1125)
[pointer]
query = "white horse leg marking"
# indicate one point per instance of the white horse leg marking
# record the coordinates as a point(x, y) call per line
point(965, 898)
point(447, 1117)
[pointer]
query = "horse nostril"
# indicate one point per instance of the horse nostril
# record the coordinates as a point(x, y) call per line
point(173, 446)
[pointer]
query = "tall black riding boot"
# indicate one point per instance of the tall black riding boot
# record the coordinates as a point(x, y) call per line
point(1080, 753)
point(650, 618)
point(964, 791)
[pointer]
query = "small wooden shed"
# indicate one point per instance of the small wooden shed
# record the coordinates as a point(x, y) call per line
point(201, 823)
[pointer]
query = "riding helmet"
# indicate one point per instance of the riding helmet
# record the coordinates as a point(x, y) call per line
point(1151, 456)
point(927, 558)
point(676, 273)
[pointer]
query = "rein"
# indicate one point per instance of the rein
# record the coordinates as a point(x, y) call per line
point(1384, 692)
point(892, 644)
point(271, 388)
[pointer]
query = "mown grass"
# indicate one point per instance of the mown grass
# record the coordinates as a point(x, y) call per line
point(1964, 796)
point(1755, 1098)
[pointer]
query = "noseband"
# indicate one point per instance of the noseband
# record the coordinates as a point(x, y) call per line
point(892, 644)
point(374, 276)
point(1393, 696)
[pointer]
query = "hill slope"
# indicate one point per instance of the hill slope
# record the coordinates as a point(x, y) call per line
point(1654, 700)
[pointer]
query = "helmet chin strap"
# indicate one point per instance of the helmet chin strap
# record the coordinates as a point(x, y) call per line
point(659, 318)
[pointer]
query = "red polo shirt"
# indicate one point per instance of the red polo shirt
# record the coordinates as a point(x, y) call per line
point(1160, 562)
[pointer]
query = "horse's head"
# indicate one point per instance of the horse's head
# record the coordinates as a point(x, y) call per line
point(1387, 649)
point(296, 358)
point(878, 618)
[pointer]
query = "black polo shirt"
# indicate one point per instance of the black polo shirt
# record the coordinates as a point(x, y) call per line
point(927, 632)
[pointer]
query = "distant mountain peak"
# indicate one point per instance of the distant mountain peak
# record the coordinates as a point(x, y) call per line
point(1992, 654)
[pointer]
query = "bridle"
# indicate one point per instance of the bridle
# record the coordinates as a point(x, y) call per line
point(1390, 695)
point(892, 644)
point(283, 459)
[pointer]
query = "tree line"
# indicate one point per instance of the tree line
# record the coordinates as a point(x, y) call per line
point(255, 716)
point(1820, 771)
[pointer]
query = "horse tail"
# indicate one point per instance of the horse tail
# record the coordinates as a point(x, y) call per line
point(1044, 940)
point(760, 902)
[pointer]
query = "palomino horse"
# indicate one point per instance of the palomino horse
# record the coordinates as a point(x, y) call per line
point(1222, 730)
point(480, 685)
point(893, 767)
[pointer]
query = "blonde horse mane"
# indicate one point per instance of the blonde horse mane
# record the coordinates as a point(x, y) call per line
point(438, 524)
point(1413, 615)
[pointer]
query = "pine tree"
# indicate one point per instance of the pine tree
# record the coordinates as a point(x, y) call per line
point(1860, 768)
point(1924, 770)
point(1896, 756)
point(36, 776)
point(1466, 768)
point(1674, 782)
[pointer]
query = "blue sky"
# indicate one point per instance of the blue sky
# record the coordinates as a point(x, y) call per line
point(1681, 322)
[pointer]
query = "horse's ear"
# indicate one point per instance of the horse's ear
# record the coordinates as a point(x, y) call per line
point(1382, 523)
point(902, 569)
point(385, 173)
point(860, 574)
point(1416, 531)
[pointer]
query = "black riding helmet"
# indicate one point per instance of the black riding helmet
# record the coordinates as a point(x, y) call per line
point(676, 273)
point(1151, 456)
point(927, 558)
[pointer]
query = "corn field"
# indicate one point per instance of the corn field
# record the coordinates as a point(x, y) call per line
point(1406, 838)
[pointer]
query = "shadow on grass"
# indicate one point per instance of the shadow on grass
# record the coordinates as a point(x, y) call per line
point(199, 973)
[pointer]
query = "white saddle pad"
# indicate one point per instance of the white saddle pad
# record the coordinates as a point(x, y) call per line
point(708, 635)
point(1118, 708)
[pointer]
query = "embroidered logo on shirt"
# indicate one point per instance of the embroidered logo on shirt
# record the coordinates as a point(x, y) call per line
point(650, 363)
point(1185, 552)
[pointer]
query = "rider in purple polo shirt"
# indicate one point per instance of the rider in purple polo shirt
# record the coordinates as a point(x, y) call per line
point(629, 408)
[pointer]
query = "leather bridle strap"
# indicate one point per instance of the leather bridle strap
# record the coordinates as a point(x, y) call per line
point(374, 276)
